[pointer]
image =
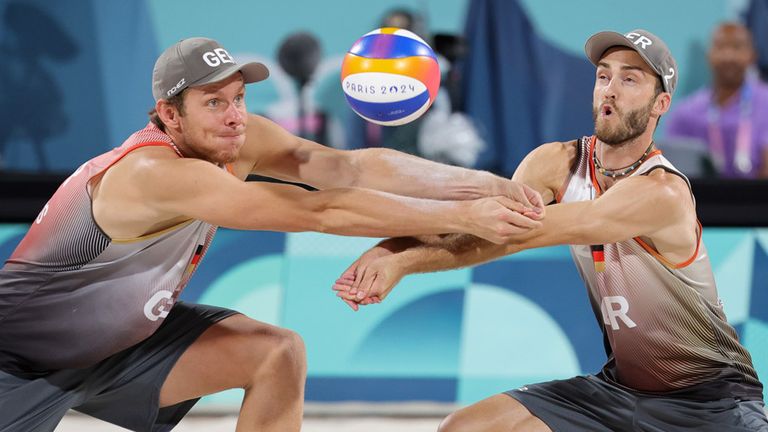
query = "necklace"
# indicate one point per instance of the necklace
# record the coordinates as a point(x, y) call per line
point(620, 172)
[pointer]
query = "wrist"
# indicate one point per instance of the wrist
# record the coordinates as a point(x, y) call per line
point(405, 262)
point(463, 217)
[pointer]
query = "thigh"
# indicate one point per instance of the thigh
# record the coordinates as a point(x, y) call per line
point(725, 415)
point(124, 389)
point(499, 413)
point(36, 404)
point(226, 356)
point(582, 403)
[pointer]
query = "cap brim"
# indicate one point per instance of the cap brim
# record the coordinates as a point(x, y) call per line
point(252, 72)
point(599, 43)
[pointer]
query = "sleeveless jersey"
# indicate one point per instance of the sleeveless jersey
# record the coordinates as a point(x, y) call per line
point(664, 327)
point(70, 296)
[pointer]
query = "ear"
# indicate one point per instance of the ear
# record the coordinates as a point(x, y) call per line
point(662, 104)
point(168, 114)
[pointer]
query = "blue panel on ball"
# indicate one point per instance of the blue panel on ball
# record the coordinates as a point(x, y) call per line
point(386, 46)
point(389, 111)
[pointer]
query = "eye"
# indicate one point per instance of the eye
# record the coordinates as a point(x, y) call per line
point(239, 99)
point(213, 103)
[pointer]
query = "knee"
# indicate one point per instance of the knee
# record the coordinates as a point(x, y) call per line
point(291, 352)
point(455, 422)
point(288, 354)
point(268, 352)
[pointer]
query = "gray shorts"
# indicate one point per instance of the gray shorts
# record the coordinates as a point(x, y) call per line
point(123, 389)
point(589, 403)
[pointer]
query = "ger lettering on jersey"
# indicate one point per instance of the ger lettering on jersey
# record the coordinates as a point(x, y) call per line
point(664, 326)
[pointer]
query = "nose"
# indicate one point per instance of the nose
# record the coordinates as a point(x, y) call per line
point(609, 91)
point(234, 115)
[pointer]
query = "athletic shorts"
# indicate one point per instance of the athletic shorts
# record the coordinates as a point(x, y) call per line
point(589, 403)
point(123, 389)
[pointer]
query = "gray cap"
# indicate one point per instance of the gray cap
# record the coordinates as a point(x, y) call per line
point(195, 62)
point(650, 47)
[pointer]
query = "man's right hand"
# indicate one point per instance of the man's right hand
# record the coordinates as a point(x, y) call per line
point(525, 195)
point(497, 219)
point(371, 277)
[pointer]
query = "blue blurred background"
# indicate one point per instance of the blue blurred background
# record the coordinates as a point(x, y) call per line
point(75, 81)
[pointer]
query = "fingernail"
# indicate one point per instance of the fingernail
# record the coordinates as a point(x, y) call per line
point(360, 295)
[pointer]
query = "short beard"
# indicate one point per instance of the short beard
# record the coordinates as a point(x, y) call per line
point(634, 125)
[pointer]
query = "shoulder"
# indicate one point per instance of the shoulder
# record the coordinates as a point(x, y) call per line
point(555, 158)
point(147, 168)
point(140, 162)
point(547, 167)
point(263, 140)
point(263, 129)
point(668, 187)
point(257, 122)
point(556, 152)
point(262, 134)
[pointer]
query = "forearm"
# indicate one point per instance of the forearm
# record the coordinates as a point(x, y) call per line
point(363, 212)
point(404, 174)
point(565, 224)
point(452, 252)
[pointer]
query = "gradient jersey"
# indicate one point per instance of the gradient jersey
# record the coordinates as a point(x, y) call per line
point(664, 326)
point(70, 296)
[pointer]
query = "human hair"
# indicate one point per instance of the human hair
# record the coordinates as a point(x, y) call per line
point(176, 101)
point(659, 88)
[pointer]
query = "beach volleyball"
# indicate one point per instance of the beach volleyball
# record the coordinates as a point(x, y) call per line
point(390, 76)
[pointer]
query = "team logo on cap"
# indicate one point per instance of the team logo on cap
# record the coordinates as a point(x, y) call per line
point(639, 39)
point(217, 57)
point(175, 88)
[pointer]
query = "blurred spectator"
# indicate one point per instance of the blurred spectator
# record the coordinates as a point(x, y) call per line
point(729, 117)
point(405, 19)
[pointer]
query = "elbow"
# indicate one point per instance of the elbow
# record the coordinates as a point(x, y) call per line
point(318, 218)
point(348, 168)
point(323, 217)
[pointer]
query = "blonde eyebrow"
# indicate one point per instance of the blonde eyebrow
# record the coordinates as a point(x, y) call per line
point(217, 89)
point(624, 68)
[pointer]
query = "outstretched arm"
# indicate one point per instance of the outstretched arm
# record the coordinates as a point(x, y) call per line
point(544, 169)
point(282, 155)
point(658, 206)
point(203, 191)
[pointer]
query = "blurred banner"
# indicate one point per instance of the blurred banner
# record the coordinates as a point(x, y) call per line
point(756, 18)
point(521, 89)
point(455, 336)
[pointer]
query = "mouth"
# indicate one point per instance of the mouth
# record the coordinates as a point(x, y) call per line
point(606, 110)
point(231, 135)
